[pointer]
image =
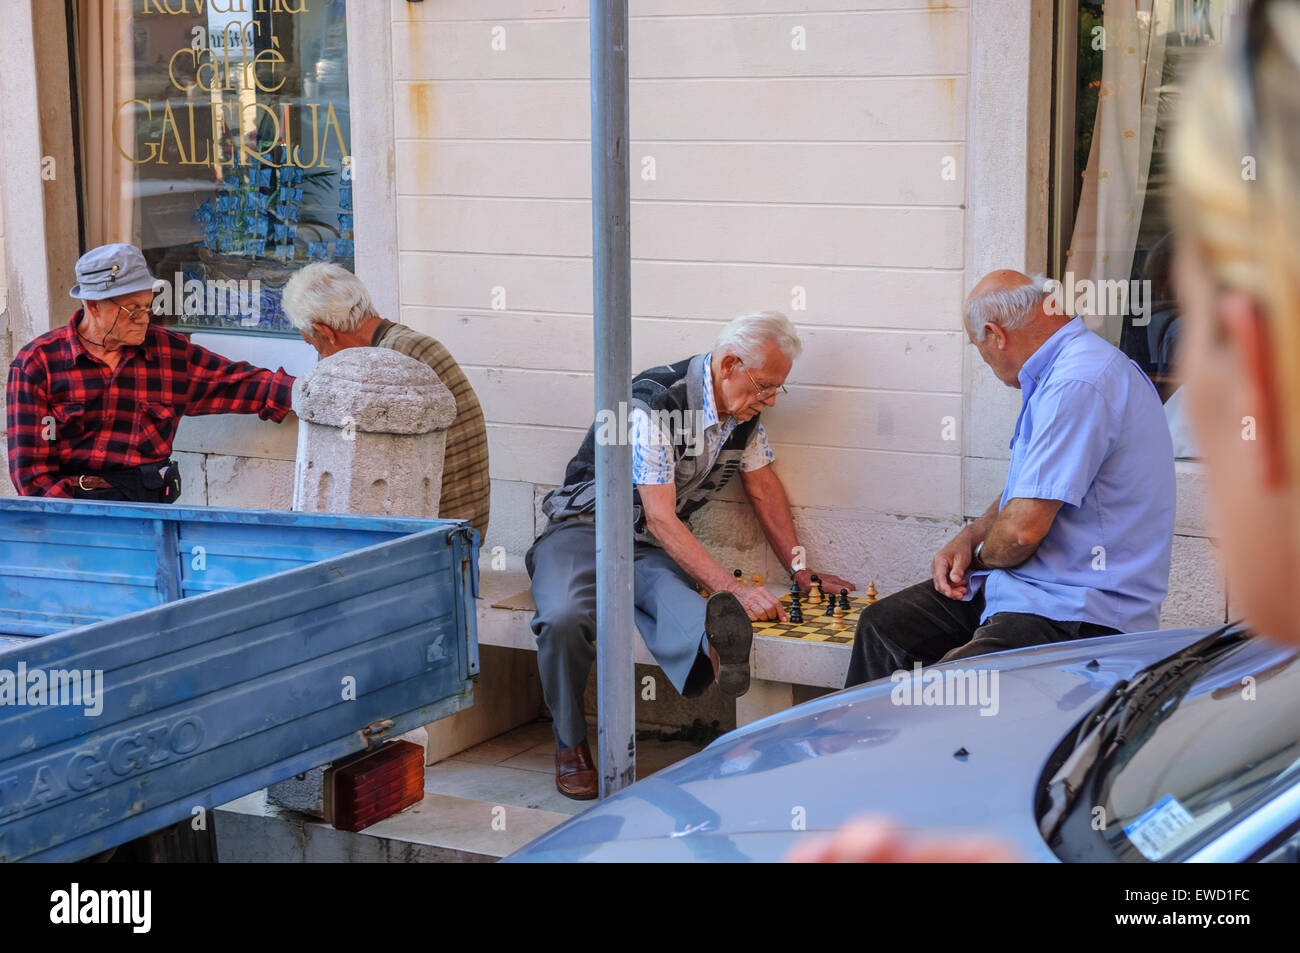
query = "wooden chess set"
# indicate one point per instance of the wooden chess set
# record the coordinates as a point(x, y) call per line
point(815, 616)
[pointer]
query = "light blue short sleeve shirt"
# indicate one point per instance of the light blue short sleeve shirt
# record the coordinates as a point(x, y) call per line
point(1091, 434)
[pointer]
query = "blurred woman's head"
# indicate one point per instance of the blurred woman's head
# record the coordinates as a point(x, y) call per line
point(1236, 206)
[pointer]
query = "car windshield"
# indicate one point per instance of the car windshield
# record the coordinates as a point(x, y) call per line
point(1230, 736)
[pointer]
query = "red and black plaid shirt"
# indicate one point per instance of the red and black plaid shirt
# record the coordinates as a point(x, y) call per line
point(69, 413)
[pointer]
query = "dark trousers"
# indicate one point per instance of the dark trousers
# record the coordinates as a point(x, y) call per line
point(921, 624)
point(669, 616)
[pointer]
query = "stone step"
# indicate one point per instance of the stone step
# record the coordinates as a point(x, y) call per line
point(479, 805)
point(442, 828)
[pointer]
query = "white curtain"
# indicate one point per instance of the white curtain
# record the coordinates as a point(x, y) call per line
point(1115, 181)
point(105, 80)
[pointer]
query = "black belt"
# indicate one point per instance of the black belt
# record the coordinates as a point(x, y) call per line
point(146, 483)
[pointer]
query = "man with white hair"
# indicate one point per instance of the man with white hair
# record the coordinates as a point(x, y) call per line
point(692, 426)
point(332, 311)
point(1079, 543)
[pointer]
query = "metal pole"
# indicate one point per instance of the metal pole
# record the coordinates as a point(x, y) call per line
point(612, 279)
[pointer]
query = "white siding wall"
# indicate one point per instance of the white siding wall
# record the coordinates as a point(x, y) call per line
point(775, 169)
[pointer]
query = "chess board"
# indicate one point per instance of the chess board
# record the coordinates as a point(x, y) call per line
point(816, 626)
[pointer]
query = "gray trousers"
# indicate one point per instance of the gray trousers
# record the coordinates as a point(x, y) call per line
point(669, 615)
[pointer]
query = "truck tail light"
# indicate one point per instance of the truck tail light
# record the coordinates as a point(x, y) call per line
point(374, 786)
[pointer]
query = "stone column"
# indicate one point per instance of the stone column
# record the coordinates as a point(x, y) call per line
point(371, 435)
point(372, 428)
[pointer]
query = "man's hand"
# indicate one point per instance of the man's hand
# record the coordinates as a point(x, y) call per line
point(759, 603)
point(950, 565)
point(831, 583)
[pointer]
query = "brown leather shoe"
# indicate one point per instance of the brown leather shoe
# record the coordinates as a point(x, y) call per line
point(575, 773)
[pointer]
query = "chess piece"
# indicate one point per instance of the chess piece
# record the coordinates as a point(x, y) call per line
point(815, 591)
point(838, 623)
point(796, 614)
point(872, 595)
point(795, 592)
point(830, 608)
point(738, 574)
point(844, 600)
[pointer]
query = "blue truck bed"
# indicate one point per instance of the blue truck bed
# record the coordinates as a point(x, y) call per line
point(235, 648)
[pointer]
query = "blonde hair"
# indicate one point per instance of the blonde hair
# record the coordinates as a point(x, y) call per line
point(1244, 227)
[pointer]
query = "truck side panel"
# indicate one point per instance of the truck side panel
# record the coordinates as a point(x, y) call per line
point(216, 696)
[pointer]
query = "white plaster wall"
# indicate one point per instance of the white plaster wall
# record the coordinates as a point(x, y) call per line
point(774, 168)
point(23, 286)
point(1009, 118)
point(26, 311)
point(6, 336)
point(4, 283)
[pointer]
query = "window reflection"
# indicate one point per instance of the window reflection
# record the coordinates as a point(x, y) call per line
point(216, 136)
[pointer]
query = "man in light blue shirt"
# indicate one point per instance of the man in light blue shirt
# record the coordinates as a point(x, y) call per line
point(1079, 543)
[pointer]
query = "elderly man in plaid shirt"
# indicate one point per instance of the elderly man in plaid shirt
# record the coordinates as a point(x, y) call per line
point(93, 406)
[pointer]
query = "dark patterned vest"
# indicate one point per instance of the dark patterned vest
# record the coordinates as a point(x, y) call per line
point(672, 394)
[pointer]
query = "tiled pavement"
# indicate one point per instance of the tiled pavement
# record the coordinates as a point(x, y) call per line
point(518, 769)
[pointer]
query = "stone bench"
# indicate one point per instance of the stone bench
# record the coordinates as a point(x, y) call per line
point(783, 672)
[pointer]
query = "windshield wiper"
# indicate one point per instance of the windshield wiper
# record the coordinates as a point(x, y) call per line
point(1126, 709)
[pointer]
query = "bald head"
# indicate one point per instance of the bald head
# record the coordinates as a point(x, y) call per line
point(1008, 318)
point(1000, 280)
point(1010, 299)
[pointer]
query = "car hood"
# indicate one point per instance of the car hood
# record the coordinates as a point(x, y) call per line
point(959, 746)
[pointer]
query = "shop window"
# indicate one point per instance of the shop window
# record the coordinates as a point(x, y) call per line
point(1121, 68)
point(214, 134)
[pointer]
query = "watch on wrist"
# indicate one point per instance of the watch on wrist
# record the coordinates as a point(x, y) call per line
point(975, 557)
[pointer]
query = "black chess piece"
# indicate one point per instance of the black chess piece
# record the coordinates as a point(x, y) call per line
point(844, 600)
point(737, 573)
point(796, 614)
point(830, 608)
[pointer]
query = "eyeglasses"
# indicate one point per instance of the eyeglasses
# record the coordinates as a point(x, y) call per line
point(763, 392)
point(135, 313)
